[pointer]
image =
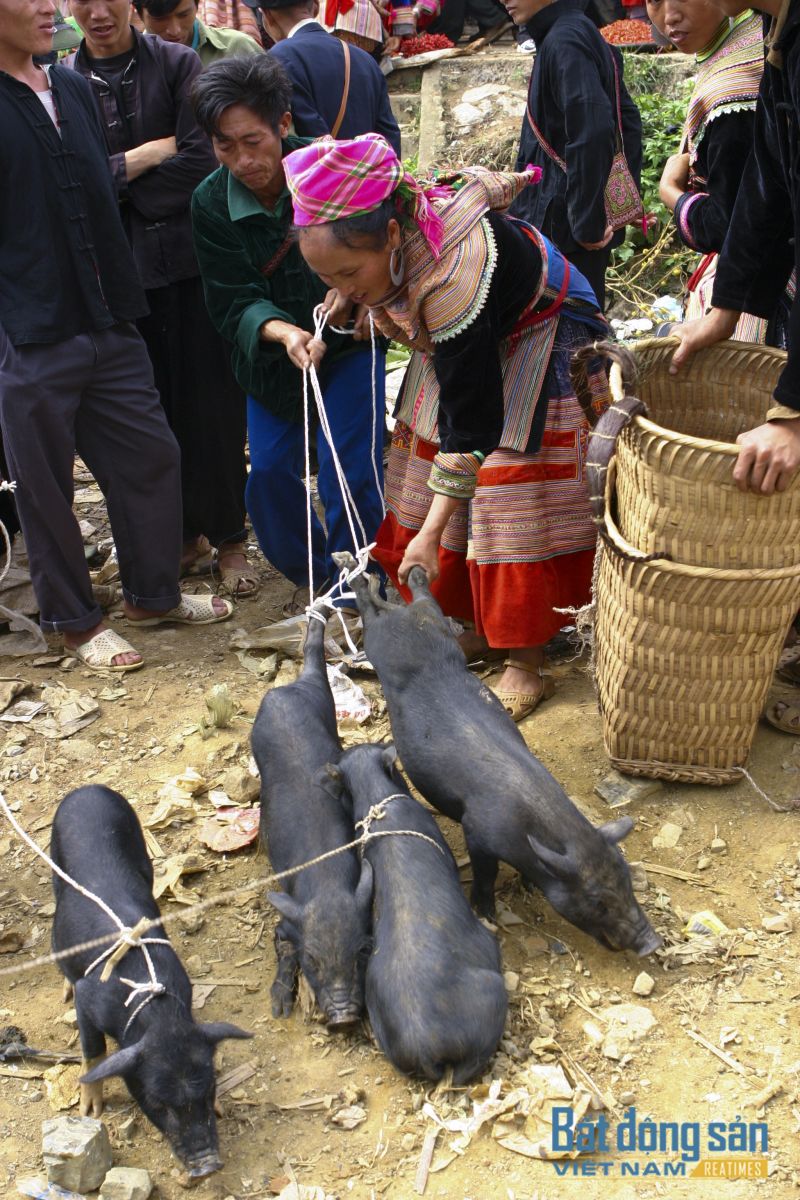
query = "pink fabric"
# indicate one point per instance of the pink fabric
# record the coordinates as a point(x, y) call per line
point(331, 180)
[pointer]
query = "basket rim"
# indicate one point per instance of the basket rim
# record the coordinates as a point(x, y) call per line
point(669, 566)
point(745, 350)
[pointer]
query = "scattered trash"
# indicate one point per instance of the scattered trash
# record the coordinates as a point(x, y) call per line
point(265, 668)
point(705, 922)
point(175, 799)
point(349, 1117)
point(70, 711)
point(23, 711)
point(10, 689)
point(168, 872)
point(230, 829)
point(221, 706)
point(40, 1189)
point(352, 706)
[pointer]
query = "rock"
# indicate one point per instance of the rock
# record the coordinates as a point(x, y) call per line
point(511, 980)
point(593, 1032)
point(76, 1152)
point(668, 836)
point(466, 114)
point(643, 984)
point(126, 1183)
point(703, 862)
point(780, 923)
point(618, 790)
point(718, 846)
point(240, 785)
point(408, 1142)
point(626, 1024)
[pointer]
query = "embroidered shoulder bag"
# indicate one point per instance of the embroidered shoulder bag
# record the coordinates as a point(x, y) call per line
point(622, 200)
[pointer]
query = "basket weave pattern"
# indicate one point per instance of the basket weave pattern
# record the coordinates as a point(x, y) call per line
point(686, 649)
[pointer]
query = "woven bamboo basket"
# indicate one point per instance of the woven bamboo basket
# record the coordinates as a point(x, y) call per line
point(684, 657)
point(675, 491)
point(686, 645)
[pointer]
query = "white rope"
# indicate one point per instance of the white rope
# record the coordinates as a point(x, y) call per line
point(341, 586)
point(6, 486)
point(378, 811)
point(153, 987)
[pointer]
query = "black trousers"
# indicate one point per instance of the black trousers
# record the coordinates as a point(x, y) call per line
point(205, 407)
point(93, 393)
point(593, 264)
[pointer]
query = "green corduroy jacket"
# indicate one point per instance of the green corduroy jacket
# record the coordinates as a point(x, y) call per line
point(235, 237)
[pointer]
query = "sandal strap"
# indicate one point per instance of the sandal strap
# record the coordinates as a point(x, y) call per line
point(102, 648)
point(523, 666)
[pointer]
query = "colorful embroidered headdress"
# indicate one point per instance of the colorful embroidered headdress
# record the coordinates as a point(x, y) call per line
point(331, 180)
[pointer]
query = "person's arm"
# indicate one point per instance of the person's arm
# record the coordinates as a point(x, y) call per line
point(166, 189)
point(703, 215)
point(590, 124)
point(385, 121)
point(238, 297)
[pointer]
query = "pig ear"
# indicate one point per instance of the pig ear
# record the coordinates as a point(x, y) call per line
point(615, 831)
point(555, 862)
point(288, 907)
point(217, 1031)
point(118, 1063)
point(389, 756)
point(330, 779)
point(364, 888)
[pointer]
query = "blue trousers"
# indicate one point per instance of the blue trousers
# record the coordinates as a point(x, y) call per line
point(275, 495)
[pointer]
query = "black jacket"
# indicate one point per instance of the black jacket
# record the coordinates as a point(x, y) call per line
point(155, 207)
point(314, 60)
point(65, 265)
point(762, 242)
point(724, 149)
point(572, 98)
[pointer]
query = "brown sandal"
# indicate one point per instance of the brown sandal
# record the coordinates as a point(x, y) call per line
point(239, 582)
point(785, 716)
point(520, 705)
point(198, 559)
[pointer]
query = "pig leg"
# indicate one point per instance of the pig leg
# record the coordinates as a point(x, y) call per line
point(283, 986)
point(484, 874)
point(67, 992)
point(366, 588)
point(91, 1098)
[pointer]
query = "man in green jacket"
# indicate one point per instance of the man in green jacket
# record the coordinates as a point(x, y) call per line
point(261, 296)
point(177, 21)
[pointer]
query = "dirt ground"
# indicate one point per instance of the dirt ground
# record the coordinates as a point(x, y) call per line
point(740, 996)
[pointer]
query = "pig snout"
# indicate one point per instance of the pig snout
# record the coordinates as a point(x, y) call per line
point(648, 942)
point(200, 1168)
point(342, 1008)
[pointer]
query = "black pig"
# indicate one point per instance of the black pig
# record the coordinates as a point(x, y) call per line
point(463, 752)
point(165, 1058)
point(435, 993)
point(325, 909)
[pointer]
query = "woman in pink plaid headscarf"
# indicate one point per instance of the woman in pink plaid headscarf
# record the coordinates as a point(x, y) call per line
point(487, 417)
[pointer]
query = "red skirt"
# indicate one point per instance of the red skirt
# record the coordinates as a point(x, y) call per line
point(521, 549)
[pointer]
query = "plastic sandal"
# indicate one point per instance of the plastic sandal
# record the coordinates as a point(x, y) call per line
point(520, 705)
point(192, 610)
point(99, 651)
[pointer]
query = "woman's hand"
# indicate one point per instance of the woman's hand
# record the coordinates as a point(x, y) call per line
point(768, 458)
point(674, 180)
point(361, 323)
point(421, 551)
point(303, 348)
point(717, 325)
point(607, 236)
point(338, 307)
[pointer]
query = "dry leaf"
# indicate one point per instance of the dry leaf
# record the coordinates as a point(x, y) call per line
point(350, 1117)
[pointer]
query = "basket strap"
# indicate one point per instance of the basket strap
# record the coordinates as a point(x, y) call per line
point(602, 445)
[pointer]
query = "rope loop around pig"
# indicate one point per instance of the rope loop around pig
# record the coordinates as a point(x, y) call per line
point(124, 934)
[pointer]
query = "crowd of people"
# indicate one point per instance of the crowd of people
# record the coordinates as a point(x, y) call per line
point(179, 207)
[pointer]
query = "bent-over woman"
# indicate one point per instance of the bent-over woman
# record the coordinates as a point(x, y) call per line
point(485, 485)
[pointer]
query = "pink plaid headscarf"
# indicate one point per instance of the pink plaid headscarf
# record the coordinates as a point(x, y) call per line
point(331, 180)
